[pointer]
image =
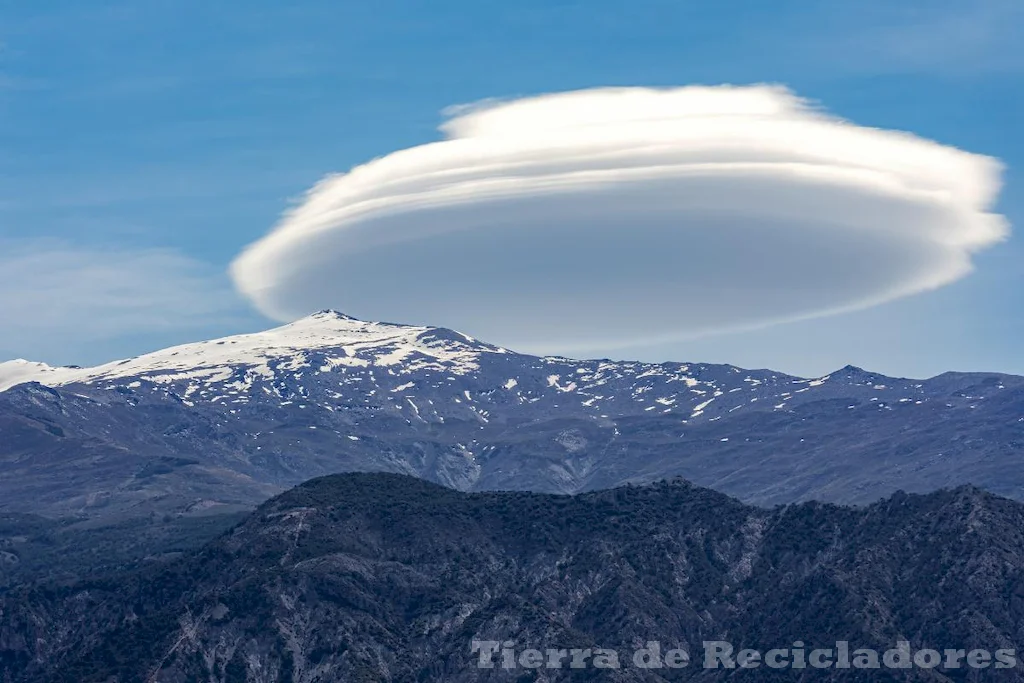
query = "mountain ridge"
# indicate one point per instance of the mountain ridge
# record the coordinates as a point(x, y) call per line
point(324, 329)
point(382, 577)
point(230, 422)
point(20, 370)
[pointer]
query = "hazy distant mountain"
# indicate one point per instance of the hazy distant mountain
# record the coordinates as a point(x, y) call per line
point(230, 422)
point(377, 577)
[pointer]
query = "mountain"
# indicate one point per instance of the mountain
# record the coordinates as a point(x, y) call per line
point(225, 424)
point(379, 577)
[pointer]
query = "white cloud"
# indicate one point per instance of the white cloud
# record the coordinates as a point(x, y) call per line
point(57, 300)
point(609, 217)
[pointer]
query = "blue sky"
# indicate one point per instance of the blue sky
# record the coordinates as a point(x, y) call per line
point(172, 133)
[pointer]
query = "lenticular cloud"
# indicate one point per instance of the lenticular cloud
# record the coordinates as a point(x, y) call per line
point(618, 216)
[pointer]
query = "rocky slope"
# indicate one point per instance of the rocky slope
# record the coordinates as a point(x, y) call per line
point(377, 577)
point(227, 423)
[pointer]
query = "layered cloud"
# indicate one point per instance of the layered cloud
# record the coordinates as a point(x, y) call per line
point(621, 216)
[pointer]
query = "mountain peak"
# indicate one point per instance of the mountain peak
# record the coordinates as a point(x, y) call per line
point(341, 339)
point(853, 371)
point(331, 314)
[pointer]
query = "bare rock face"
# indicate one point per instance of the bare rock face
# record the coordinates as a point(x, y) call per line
point(379, 577)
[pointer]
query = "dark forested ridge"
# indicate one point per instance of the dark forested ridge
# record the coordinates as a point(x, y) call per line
point(378, 577)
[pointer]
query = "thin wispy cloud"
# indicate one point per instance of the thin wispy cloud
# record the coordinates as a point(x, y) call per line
point(956, 37)
point(58, 299)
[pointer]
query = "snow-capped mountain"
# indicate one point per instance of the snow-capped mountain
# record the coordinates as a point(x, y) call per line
point(262, 354)
point(233, 420)
point(370, 357)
